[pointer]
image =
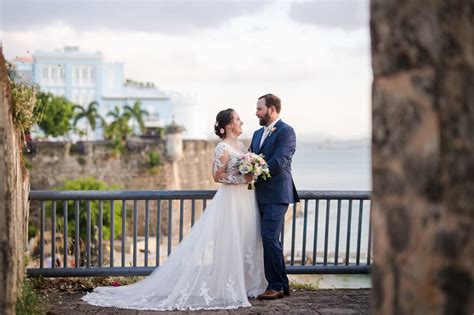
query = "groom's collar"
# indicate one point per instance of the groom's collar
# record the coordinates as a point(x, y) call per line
point(273, 123)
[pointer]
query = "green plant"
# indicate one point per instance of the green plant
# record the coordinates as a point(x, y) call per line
point(82, 161)
point(27, 163)
point(57, 113)
point(26, 112)
point(154, 159)
point(118, 130)
point(89, 183)
point(160, 132)
point(298, 286)
point(137, 114)
point(118, 146)
point(29, 302)
point(32, 231)
point(91, 114)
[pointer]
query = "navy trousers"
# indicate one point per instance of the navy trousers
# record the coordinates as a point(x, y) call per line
point(273, 216)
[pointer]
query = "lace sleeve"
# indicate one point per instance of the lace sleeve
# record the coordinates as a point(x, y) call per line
point(221, 171)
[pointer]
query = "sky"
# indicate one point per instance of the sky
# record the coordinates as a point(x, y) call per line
point(314, 55)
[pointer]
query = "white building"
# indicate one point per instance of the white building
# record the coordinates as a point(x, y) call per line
point(84, 77)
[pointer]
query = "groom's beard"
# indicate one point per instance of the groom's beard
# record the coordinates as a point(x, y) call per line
point(264, 120)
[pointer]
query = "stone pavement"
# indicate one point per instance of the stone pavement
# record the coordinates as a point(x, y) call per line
point(324, 302)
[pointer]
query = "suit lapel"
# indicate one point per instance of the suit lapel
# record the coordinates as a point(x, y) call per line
point(270, 135)
point(258, 137)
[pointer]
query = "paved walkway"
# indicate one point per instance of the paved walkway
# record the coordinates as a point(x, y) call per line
point(324, 302)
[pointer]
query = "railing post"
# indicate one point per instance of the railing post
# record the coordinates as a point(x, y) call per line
point(53, 235)
point(112, 231)
point(147, 210)
point(101, 219)
point(77, 244)
point(65, 231)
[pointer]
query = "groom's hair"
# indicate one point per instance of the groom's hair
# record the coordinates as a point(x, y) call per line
point(272, 100)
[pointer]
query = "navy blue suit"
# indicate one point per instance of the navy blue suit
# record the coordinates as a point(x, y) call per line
point(273, 196)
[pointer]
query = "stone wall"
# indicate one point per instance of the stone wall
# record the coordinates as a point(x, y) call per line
point(51, 163)
point(54, 162)
point(14, 187)
point(423, 156)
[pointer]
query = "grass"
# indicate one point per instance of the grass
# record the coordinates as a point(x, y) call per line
point(25, 106)
point(30, 302)
point(305, 286)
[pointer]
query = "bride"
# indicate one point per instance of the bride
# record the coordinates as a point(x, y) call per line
point(220, 264)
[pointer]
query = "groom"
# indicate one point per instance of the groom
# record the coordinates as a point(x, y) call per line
point(277, 142)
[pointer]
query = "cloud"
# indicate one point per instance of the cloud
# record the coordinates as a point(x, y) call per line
point(179, 16)
point(348, 15)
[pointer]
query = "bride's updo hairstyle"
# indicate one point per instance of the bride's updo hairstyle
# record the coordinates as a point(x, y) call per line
point(223, 118)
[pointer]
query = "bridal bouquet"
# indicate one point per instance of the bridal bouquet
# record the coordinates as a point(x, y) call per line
point(254, 164)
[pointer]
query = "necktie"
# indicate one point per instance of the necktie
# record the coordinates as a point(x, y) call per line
point(265, 134)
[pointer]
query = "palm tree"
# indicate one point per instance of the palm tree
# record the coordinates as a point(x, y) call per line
point(91, 114)
point(115, 113)
point(137, 114)
point(118, 127)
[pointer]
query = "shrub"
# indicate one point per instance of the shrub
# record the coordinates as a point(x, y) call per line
point(89, 183)
point(154, 159)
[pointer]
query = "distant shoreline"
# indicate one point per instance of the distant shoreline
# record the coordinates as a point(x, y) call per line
point(335, 145)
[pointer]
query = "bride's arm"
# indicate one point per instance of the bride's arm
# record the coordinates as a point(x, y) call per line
point(221, 159)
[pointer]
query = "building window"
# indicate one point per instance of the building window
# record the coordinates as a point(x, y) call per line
point(44, 75)
point(61, 74)
point(75, 77)
point(84, 77)
point(54, 75)
point(93, 74)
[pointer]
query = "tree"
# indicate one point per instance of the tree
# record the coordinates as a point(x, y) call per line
point(91, 114)
point(118, 129)
point(137, 114)
point(56, 116)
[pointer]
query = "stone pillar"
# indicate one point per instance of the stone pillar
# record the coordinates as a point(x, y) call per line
point(174, 142)
point(423, 156)
point(14, 188)
point(174, 153)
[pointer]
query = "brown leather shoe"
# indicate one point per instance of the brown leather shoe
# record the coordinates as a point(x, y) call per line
point(270, 295)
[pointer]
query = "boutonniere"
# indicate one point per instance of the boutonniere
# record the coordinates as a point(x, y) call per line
point(272, 130)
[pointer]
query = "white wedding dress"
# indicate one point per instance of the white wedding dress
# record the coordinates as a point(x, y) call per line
point(217, 266)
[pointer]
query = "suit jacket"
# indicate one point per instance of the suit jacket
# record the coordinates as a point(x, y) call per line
point(278, 149)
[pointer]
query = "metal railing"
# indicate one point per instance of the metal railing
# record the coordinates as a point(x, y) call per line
point(328, 232)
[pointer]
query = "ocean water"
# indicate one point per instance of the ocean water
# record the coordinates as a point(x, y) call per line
point(339, 168)
point(316, 168)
